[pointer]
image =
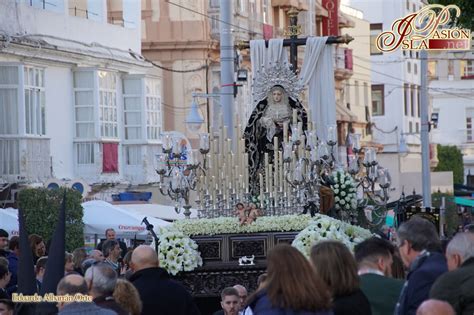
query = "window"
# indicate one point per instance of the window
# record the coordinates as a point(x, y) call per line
point(94, 10)
point(85, 153)
point(35, 114)
point(252, 8)
point(214, 3)
point(348, 94)
point(417, 127)
point(356, 87)
point(132, 154)
point(375, 30)
point(414, 7)
point(432, 74)
point(406, 90)
point(108, 104)
point(9, 157)
point(132, 108)
point(418, 101)
point(84, 104)
point(469, 120)
point(415, 68)
point(366, 94)
point(153, 109)
point(410, 127)
point(467, 69)
point(408, 67)
point(9, 81)
point(215, 24)
point(241, 6)
point(109, 157)
point(266, 11)
point(412, 101)
point(408, 5)
point(378, 106)
point(450, 70)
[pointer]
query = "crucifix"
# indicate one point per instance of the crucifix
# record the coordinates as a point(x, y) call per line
point(293, 41)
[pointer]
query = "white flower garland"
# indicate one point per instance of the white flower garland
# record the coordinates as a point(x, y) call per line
point(326, 228)
point(226, 225)
point(344, 191)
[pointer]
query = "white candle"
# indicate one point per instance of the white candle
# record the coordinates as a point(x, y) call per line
point(270, 178)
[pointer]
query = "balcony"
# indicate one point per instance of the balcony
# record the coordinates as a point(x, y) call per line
point(343, 63)
point(25, 159)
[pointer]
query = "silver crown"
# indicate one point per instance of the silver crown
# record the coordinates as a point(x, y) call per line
point(275, 74)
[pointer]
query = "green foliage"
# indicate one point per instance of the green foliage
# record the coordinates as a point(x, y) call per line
point(41, 208)
point(451, 215)
point(465, 20)
point(450, 159)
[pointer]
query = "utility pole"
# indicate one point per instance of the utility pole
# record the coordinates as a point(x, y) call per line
point(227, 67)
point(425, 136)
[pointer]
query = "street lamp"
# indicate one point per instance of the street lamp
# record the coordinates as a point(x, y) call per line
point(194, 119)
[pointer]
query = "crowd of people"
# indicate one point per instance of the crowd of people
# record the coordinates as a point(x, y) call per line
point(415, 276)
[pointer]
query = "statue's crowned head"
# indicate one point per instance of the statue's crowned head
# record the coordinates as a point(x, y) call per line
point(277, 95)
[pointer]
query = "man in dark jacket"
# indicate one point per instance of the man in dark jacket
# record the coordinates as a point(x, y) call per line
point(420, 250)
point(3, 243)
point(14, 247)
point(159, 294)
point(374, 260)
point(457, 286)
point(110, 235)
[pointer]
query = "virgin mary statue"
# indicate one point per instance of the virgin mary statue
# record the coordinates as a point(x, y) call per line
point(267, 122)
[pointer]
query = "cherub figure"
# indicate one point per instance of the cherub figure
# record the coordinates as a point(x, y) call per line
point(241, 213)
point(253, 213)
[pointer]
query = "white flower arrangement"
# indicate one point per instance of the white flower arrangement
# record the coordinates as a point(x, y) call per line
point(344, 191)
point(177, 252)
point(327, 228)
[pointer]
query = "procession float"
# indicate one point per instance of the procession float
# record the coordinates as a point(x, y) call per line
point(277, 180)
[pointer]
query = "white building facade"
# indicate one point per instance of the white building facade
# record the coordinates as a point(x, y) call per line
point(76, 100)
point(395, 97)
point(452, 95)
